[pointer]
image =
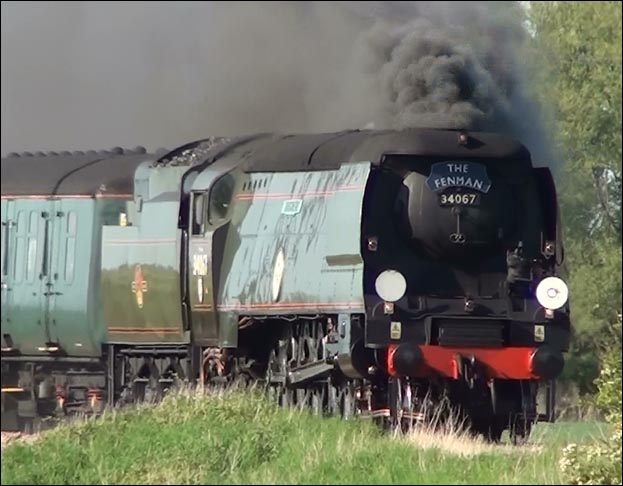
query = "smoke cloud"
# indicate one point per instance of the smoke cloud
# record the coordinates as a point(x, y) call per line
point(452, 64)
point(80, 75)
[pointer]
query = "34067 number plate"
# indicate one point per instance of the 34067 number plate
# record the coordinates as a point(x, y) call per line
point(451, 198)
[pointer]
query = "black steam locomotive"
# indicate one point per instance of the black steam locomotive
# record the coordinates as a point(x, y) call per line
point(368, 273)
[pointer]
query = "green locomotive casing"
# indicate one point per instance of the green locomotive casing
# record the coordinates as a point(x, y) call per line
point(277, 250)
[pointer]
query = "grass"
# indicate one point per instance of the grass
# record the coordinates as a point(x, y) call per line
point(240, 438)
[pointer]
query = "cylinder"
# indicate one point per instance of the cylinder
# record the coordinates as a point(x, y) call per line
point(405, 359)
point(547, 362)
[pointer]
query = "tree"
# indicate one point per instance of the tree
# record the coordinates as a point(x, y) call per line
point(577, 46)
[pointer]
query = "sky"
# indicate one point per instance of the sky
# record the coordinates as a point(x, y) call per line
point(95, 75)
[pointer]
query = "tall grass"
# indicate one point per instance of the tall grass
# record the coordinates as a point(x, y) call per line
point(241, 438)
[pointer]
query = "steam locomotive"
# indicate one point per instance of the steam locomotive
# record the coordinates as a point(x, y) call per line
point(369, 273)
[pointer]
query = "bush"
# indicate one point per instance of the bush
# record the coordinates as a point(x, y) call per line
point(609, 381)
point(600, 462)
point(597, 463)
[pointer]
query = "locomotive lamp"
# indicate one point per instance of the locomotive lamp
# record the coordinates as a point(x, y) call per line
point(391, 285)
point(470, 305)
point(550, 248)
point(388, 308)
point(552, 293)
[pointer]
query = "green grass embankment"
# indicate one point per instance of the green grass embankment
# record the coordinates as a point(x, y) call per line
point(240, 438)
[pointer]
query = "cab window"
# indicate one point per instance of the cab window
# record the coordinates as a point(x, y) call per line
point(199, 209)
point(220, 198)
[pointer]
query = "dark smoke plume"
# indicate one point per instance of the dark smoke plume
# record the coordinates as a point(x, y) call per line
point(90, 75)
point(450, 64)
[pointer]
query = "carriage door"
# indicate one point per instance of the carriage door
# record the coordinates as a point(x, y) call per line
point(48, 275)
point(209, 229)
point(68, 276)
point(8, 249)
point(25, 228)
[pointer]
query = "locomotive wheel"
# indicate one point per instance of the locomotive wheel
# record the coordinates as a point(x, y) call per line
point(302, 397)
point(317, 400)
point(149, 392)
point(178, 378)
point(10, 418)
point(272, 369)
point(272, 366)
point(298, 346)
point(153, 390)
point(408, 408)
point(394, 394)
point(333, 405)
point(491, 429)
point(279, 361)
point(519, 430)
point(321, 345)
point(347, 402)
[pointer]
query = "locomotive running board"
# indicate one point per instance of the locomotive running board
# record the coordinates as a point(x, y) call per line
point(309, 371)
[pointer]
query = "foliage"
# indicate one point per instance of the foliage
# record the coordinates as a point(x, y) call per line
point(582, 364)
point(609, 382)
point(578, 48)
point(600, 462)
point(596, 463)
point(579, 44)
point(577, 52)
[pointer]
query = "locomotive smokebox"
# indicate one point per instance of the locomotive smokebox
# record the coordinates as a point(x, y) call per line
point(455, 209)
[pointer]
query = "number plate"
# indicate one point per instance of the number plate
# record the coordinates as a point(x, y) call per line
point(451, 198)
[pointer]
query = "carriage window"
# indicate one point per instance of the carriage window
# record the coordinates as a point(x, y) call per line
point(220, 198)
point(70, 247)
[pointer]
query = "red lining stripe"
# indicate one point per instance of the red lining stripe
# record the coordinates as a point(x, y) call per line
point(69, 196)
point(295, 304)
point(202, 308)
point(144, 329)
point(292, 305)
point(285, 195)
point(138, 242)
point(145, 332)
